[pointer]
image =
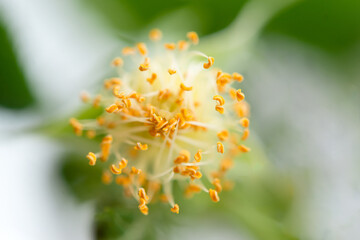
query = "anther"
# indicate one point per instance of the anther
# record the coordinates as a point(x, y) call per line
point(244, 149)
point(76, 126)
point(238, 77)
point(198, 156)
point(92, 158)
point(142, 48)
point(182, 45)
point(219, 99)
point(134, 170)
point(128, 51)
point(112, 108)
point(223, 135)
point(85, 97)
point(144, 66)
point(142, 194)
point(185, 88)
point(152, 78)
point(245, 122)
point(217, 185)
point(239, 95)
point(140, 146)
point(245, 134)
point(117, 62)
point(220, 109)
point(155, 35)
point(170, 46)
point(171, 71)
point(209, 63)
point(214, 195)
point(220, 147)
point(193, 37)
point(105, 147)
point(175, 209)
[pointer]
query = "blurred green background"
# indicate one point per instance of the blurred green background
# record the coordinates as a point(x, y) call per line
point(301, 62)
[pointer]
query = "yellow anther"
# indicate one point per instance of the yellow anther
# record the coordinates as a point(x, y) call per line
point(220, 147)
point(170, 46)
point(92, 158)
point(126, 102)
point(122, 180)
point(76, 126)
point(112, 108)
point(91, 134)
point(217, 185)
point(117, 62)
point(177, 169)
point(117, 93)
point(223, 135)
point(245, 134)
point(100, 121)
point(142, 194)
point(128, 51)
point(209, 63)
point(244, 149)
point(182, 45)
point(145, 66)
point(193, 37)
point(142, 202)
point(214, 195)
point(184, 156)
point(198, 156)
point(232, 93)
point(185, 88)
point(175, 209)
point(164, 94)
point(140, 146)
point(106, 177)
point(219, 99)
point(245, 122)
point(220, 109)
point(105, 147)
point(226, 164)
point(197, 175)
point(85, 97)
point(152, 78)
point(239, 95)
point(123, 163)
point(134, 170)
point(155, 35)
point(97, 100)
point(171, 71)
point(115, 170)
point(238, 77)
point(142, 48)
point(144, 210)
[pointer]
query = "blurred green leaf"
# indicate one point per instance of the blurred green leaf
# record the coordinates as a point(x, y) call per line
point(331, 25)
point(14, 91)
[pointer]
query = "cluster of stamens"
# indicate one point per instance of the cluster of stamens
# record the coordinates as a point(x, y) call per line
point(167, 117)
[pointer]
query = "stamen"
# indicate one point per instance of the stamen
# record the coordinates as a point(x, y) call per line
point(105, 147)
point(185, 88)
point(175, 209)
point(220, 109)
point(85, 97)
point(170, 46)
point(244, 149)
point(76, 126)
point(152, 78)
point(92, 158)
point(155, 35)
point(239, 95)
point(182, 45)
point(142, 48)
point(219, 99)
point(223, 135)
point(245, 122)
point(217, 185)
point(198, 156)
point(112, 108)
point(117, 62)
point(245, 134)
point(171, 71)
point(128, 51)
point(140, 146)
point(238, 77)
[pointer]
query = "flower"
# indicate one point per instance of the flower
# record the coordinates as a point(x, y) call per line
point(168, 116)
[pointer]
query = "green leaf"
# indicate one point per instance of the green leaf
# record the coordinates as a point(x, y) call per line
point(14, 91)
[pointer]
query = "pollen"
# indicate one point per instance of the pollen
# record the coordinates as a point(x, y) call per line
point(157, 128)
point(209, 63)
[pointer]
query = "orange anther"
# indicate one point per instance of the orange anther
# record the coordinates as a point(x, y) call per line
point(155, 35)
point(244, 149)
point(193, 37)
point(219, 99)
point(142, 48)
point(140, 146)
point(97, 100)
point(134, 170)
point(245, 122)
point(92, 158)
point(209, 63)
point(144, 210)
point(145, 66)
point(115, 170)
point(223, 135)
point(85, 97)
point(142, 194)
point(182, 45)
point(175, 209)
point(152, 78)
point(185, 88)
point(112, 108)
point(198, 156)
point(171, 71)
point(239, 95)
point(220, 147)
point(117, 62)
point(105, 147)
point(214, 195)
point(232, 93)
point(76, 126)
point(238, 77)
point(170, 46)
point(245, 134)
point(217, 185)
point(91, 134)
point(128, 51)
point(106, 178)
point(220, 109)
